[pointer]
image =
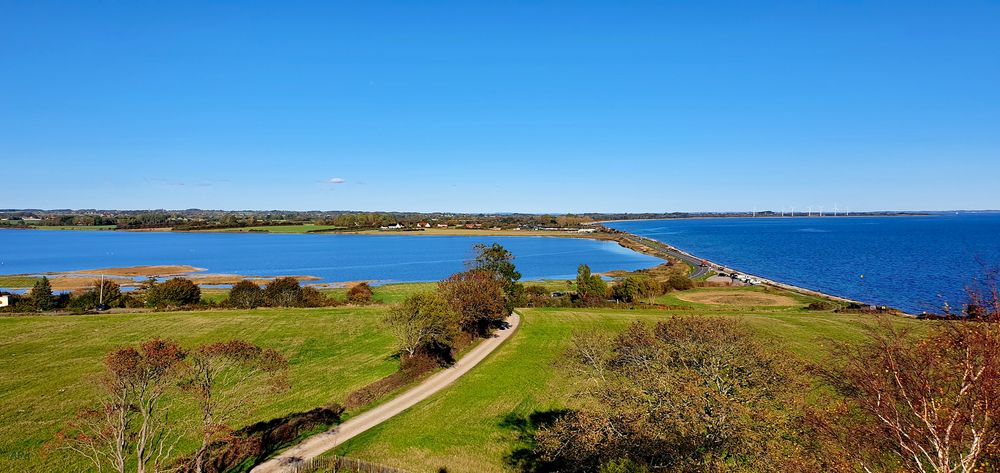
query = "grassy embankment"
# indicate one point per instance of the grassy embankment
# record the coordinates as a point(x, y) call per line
point(461, 427)
point(49, 363)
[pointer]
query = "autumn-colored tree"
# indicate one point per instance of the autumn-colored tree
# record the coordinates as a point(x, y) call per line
point(283, 292)
point(690, 394)
point(360, 294)
point(479, 297)
point(246, 294)
point(499, 262)
point(931, 402)
point(424, 322)
point(175, 292)
point(227, 379)
point(129, 426)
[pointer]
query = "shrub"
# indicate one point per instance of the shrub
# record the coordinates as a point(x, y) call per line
point(635, 287)
point(689, 394)
point(360, 294)
point(83, 301)
point(245, 295)
point(311, 297)
point(174, 292)
point(821, 305)
point(283, 292)
point(678, 282)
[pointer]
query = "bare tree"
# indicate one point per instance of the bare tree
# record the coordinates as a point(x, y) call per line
point(228, 379)
point(129, 426)
point(931, 401)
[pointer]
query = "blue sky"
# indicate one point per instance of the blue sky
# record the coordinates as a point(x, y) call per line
point(531, 106)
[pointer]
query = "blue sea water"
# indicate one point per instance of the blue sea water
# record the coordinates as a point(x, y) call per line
point(913, 263)
point(332, 258)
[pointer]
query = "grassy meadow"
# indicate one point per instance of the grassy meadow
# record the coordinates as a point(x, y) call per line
point(49, 365)
point(464, 427)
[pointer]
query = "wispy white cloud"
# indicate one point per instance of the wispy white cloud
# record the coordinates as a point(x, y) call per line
point(335, 180)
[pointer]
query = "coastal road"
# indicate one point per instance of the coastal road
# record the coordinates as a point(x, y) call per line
point(695, 263)
point(312, 447)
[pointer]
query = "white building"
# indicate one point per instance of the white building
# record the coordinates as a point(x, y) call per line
point(4, 301)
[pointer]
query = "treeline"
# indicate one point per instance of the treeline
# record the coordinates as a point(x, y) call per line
point(593, 291)
point(179, 293)
point(195, 219)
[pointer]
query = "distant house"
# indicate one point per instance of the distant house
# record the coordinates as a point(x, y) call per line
point(31, 219)
point(394, 226)
point(424, 225)
point(442, 225)
point(4, 301)
point(586, 230)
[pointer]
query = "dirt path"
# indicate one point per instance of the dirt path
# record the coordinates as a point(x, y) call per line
point(320, 443)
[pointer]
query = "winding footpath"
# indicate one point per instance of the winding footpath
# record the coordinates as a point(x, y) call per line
point(316, 445)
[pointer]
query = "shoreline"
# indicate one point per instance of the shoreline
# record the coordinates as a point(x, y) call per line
point(627, 240)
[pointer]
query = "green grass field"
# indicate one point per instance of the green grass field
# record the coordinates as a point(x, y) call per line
point(460, 428)
point(18, 282)
point(49, 364)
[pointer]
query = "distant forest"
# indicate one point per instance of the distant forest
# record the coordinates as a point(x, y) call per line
point(197, 219)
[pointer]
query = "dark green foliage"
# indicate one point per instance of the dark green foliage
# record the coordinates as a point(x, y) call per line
point(678, 282)
point(496, 260)
point(175, 292)
point(821, 305)
point(360, 294)
point(283, 292)
point(635, 287)
point(41, 295)
point(590, 288)
point(108, 291)
point(245, 295)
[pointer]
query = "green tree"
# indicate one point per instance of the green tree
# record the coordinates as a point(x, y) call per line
point(41, 295)
point(108, 291)
point(424, 322)
point(498, 261)
point(635, 287)
point(590, 287)
point(680, 282)
point(246, 294)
